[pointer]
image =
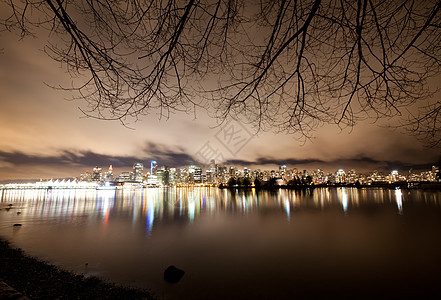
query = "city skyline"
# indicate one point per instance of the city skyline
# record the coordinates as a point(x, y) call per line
point(126, 165)
point(160, 175)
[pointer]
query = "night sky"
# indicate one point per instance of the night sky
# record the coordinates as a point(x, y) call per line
point(43, 134)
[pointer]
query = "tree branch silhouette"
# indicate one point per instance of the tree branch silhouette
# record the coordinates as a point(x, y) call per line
point(284, 65)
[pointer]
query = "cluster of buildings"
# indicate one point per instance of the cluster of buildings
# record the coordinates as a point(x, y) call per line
point(153, 175)
point(215, 174)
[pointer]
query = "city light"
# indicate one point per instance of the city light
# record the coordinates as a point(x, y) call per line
point(232, 177)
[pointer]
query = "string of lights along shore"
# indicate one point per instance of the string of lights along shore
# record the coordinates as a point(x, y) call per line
point(214, 174)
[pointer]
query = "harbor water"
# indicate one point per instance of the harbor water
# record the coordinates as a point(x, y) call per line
point(237, 244)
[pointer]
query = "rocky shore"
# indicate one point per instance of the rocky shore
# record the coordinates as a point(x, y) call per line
point(36, 279)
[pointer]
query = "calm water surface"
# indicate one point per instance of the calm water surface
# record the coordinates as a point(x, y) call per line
point(238, 244)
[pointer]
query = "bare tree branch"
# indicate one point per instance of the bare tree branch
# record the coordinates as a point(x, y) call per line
point(285, 65)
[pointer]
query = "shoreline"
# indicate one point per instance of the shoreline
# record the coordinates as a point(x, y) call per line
point(33, 278)
point(407, 186)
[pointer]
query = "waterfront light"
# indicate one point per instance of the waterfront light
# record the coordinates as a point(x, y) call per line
point(57, 184)
point(399, 200)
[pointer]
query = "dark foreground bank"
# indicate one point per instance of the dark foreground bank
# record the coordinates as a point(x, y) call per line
point(39, 280)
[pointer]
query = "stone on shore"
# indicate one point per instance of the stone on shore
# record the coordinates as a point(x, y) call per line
point(173, 274)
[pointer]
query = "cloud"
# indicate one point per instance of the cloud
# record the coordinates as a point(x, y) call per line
point(170, 156)
point(273, 161)
point(70, 163)
point(177, 157)
point(66, 157)
point(361, 162)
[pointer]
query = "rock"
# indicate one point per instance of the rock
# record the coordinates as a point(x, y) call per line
point(7, 292)
point(173, 274)
point(17, 225)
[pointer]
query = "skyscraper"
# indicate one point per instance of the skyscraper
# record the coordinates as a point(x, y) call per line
point(172, 176)
point(163, 175)
point(108, 176)
point(212, 172)
point(340, 176)
point(97, 174)
point(153, 167)
point(191, 171)
point(138, 169)
point(198, 175)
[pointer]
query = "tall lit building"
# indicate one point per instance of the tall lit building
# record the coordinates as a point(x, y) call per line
point(138, 169)
point(198, 175)
point(321, 178)
point(210, 176)
point(394, 176)
point(435, 174)
point(282, 172)
point(351, 177)
point(163, 175)
point(153, 167)
point(97, 174)
point(108, 176)
point(340, 176)
point(172, 176)
point(184, 176)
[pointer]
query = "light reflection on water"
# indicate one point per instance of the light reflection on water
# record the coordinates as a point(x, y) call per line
point(256, 243)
